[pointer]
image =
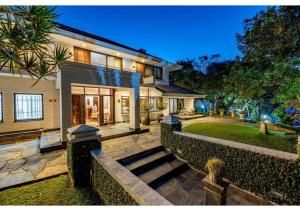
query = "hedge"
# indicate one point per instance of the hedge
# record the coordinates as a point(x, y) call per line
point(272, 178)
point(110, 191)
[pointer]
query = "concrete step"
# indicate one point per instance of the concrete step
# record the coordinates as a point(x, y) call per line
point(162, 173)
point(151, 162)
point(139, 156)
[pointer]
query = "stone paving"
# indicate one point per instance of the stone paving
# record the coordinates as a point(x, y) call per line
point(21, 163)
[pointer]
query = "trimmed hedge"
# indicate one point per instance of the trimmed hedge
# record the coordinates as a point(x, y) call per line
point(272, 178)
point(110, 191)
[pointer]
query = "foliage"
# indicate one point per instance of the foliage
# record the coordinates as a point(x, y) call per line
point(25, 42)
point(214, 165)
point(245, 134)
point(161, 105)
point(145, 106)
point(53, 191)
point(221, 110)
point(261, 174)
point(282, 114)
point(265, 77)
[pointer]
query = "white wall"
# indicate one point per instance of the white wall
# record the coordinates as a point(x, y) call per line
point(11, 85)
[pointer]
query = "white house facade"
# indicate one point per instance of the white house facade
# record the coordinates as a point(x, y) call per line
point(104, 82)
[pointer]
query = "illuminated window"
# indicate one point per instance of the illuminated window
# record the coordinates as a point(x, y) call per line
point(28, 107)
point(1, 108)
point(114, 62)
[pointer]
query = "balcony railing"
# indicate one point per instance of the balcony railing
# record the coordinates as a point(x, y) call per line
point(144, 79)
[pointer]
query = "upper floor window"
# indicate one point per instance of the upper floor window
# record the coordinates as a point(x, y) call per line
point(82, 55)
point(98, 59)
point(28, 107)
point(114, 62)
point(149, 70)
point(158, 72)
point(1, 108)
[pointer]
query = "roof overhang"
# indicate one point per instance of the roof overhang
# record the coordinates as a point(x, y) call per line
point(183, 95)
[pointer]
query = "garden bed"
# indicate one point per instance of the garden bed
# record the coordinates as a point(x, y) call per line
point(246, 134)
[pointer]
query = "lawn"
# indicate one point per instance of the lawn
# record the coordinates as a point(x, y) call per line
point(246, 134)
point(53, 191)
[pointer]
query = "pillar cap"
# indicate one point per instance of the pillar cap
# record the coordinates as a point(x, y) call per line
point(171, 119)
point(81, 129)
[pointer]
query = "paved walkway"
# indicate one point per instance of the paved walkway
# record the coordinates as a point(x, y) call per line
point(21, 163)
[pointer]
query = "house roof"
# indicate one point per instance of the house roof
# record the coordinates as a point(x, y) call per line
point(174, 90)
point(102, 39)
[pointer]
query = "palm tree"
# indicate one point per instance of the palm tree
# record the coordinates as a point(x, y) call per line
point(25, 42)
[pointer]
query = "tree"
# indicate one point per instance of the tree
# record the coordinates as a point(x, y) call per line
point(25, 42)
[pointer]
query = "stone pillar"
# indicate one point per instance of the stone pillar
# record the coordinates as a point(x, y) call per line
point(134, 109)
point(214, 194)
point(65, 108)
point(169, 124)
point(81, 140)
point(263, 128)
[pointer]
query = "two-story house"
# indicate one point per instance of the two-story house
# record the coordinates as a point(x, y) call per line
point(102, 83)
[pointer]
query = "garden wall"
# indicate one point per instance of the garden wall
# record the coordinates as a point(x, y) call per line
point(118, 186)
point(275, 178)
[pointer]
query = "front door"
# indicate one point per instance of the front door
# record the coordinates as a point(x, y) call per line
point(78, 113)
point(92, 113)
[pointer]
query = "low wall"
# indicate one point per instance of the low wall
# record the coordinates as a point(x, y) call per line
point(118, 186)
point(272, 174)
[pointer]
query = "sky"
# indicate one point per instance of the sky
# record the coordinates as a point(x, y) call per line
point(169, 32)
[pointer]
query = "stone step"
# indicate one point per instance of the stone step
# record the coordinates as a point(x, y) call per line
point(159, 175)
point(133, 158)
point(152, 162)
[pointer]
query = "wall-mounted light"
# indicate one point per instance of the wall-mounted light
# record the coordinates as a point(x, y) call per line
point(52, 100)
point(118, 54)
point(143, 60)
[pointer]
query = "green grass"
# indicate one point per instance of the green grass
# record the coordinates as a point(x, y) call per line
point(244, 134)
point(53, 191)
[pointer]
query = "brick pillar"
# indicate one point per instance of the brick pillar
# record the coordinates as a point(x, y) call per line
point(134, 109)
point(81, 140)
point(214, 194)
point(65, 108)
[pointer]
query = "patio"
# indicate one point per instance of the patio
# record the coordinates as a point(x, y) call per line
point(53, 139)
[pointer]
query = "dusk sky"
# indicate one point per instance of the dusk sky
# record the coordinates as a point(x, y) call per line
point(168, 32)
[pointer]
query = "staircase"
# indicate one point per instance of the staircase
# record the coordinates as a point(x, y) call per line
point(155, 166)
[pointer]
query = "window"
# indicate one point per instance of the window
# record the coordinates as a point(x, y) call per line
point(82, 55)
point(129, 64)
point(114, 62)
point(149, 70)
point(153, 101)
point(158, 72)
point(1, 108)
point(172, 105)
point(98, 59)
point(125, 105)
point(28, 107)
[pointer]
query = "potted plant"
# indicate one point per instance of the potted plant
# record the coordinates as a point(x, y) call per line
point(242, 115)
point(222, 111)
point(161, 106)
point(215, 168)
point(146, 106)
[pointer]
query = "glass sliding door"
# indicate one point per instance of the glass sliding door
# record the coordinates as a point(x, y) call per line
point(172, 105)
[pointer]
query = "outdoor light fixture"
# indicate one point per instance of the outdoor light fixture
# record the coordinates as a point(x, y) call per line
point(118, 54)
point(143, 60)
point(83, 45)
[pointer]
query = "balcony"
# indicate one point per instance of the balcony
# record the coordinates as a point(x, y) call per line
point(143, 79)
